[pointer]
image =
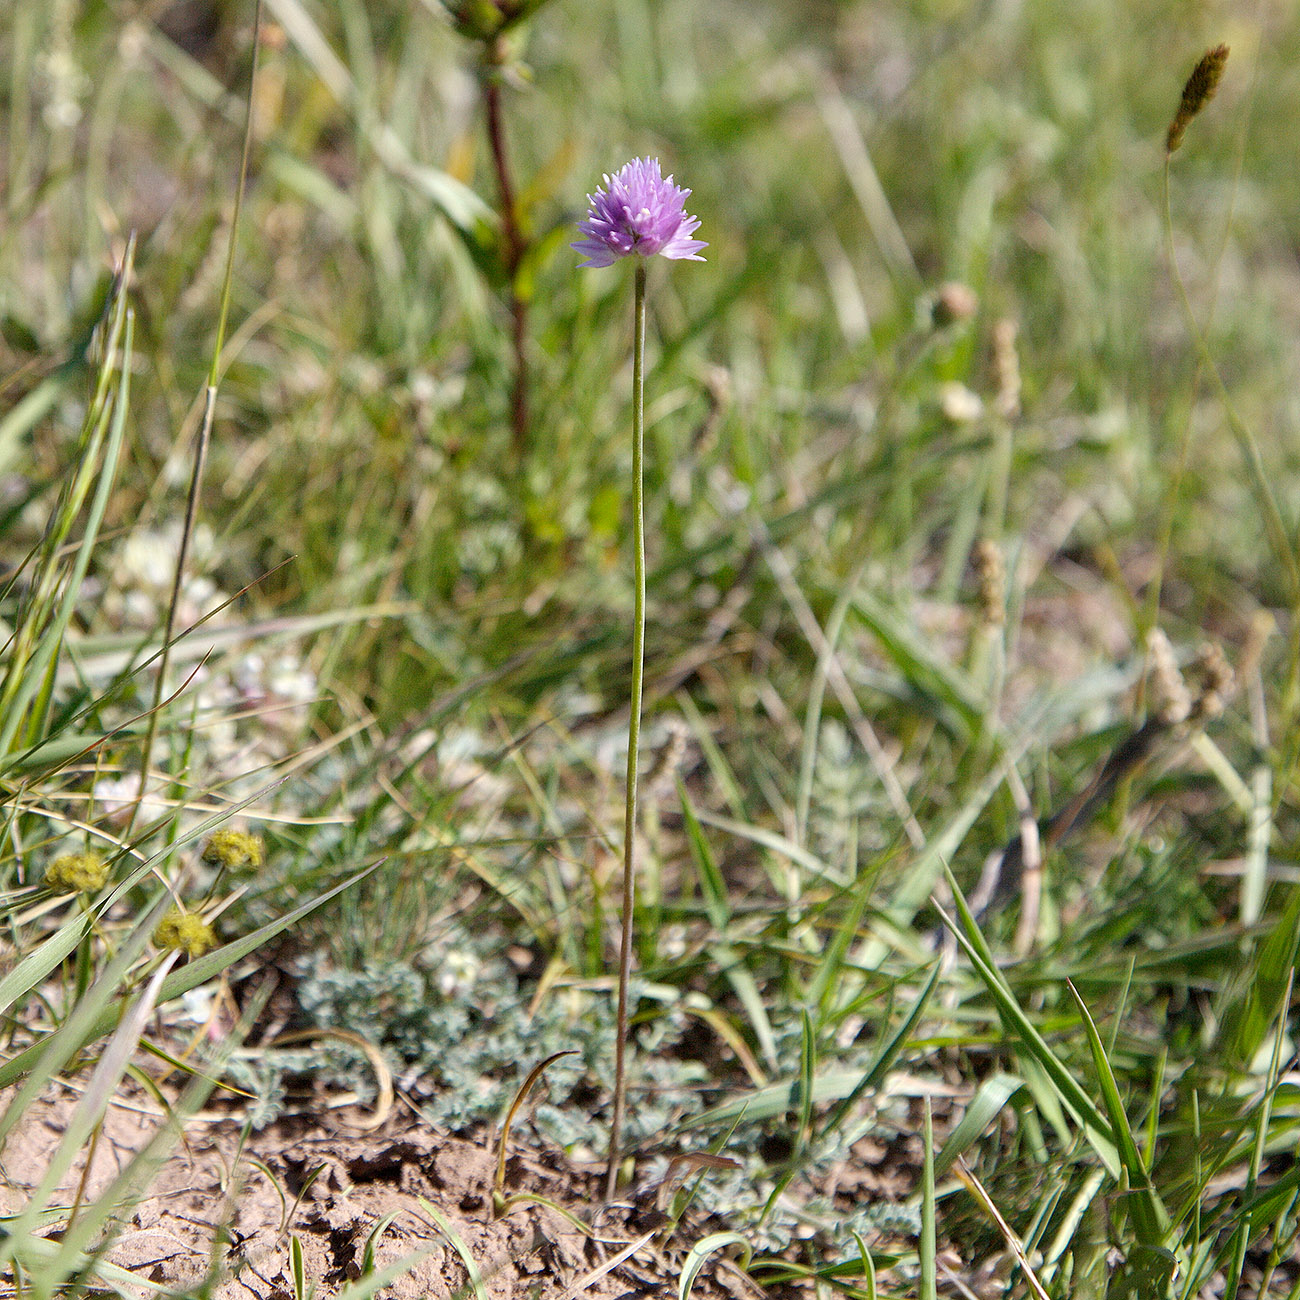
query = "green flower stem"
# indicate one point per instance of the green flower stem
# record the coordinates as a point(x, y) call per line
point(633, 726)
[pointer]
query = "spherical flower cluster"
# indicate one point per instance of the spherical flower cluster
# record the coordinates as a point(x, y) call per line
point(640, 212)
point(76, 873)
point(186, 932)
point(233, 849)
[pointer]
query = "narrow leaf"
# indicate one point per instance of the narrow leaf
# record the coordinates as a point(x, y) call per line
point(1150, 1220)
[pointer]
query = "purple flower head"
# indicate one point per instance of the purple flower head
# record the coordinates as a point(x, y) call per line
point(640, 212)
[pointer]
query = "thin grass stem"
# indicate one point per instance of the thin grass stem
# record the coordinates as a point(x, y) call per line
point(204, 435)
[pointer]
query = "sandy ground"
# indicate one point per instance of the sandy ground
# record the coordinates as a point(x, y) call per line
point(335, 1192)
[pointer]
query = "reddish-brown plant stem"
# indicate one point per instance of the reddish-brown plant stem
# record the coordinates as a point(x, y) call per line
point(514, 244)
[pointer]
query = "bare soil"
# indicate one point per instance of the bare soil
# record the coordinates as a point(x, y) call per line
point(227, 1205)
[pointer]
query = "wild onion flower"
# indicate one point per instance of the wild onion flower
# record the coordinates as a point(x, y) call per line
point(637, 212)
point(640, 212)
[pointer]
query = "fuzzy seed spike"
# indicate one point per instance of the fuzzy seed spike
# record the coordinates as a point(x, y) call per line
point(1198, 92)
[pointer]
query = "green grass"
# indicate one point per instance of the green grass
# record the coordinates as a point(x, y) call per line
point(420, 655)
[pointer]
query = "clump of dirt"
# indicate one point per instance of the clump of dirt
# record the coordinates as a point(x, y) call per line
point(227, 1204)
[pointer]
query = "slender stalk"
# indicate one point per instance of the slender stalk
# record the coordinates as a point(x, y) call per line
point(494, 57)
point(633, 727)
point(204, 435)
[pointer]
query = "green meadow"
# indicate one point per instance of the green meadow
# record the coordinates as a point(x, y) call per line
point(967, 889)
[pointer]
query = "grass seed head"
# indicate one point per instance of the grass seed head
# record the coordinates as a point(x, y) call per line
point(1198, 92)
point(1217, 682)
point(1006, 369)
point(1173, 701)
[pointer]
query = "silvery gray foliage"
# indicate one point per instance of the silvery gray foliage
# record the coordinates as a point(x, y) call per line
point(464, 1047)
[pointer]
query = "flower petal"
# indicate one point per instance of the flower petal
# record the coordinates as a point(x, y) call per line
point(639, 212)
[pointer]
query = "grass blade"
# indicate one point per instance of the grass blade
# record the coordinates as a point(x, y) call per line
point(1143, 1206)
point(458, 1244)
point(728, 960)
point(701, 1251)
point(985, 1106)
point(890, 1048)
point(499, 1182)
point(1095, 1124)
point(1254, 1000)
point(190, 976)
